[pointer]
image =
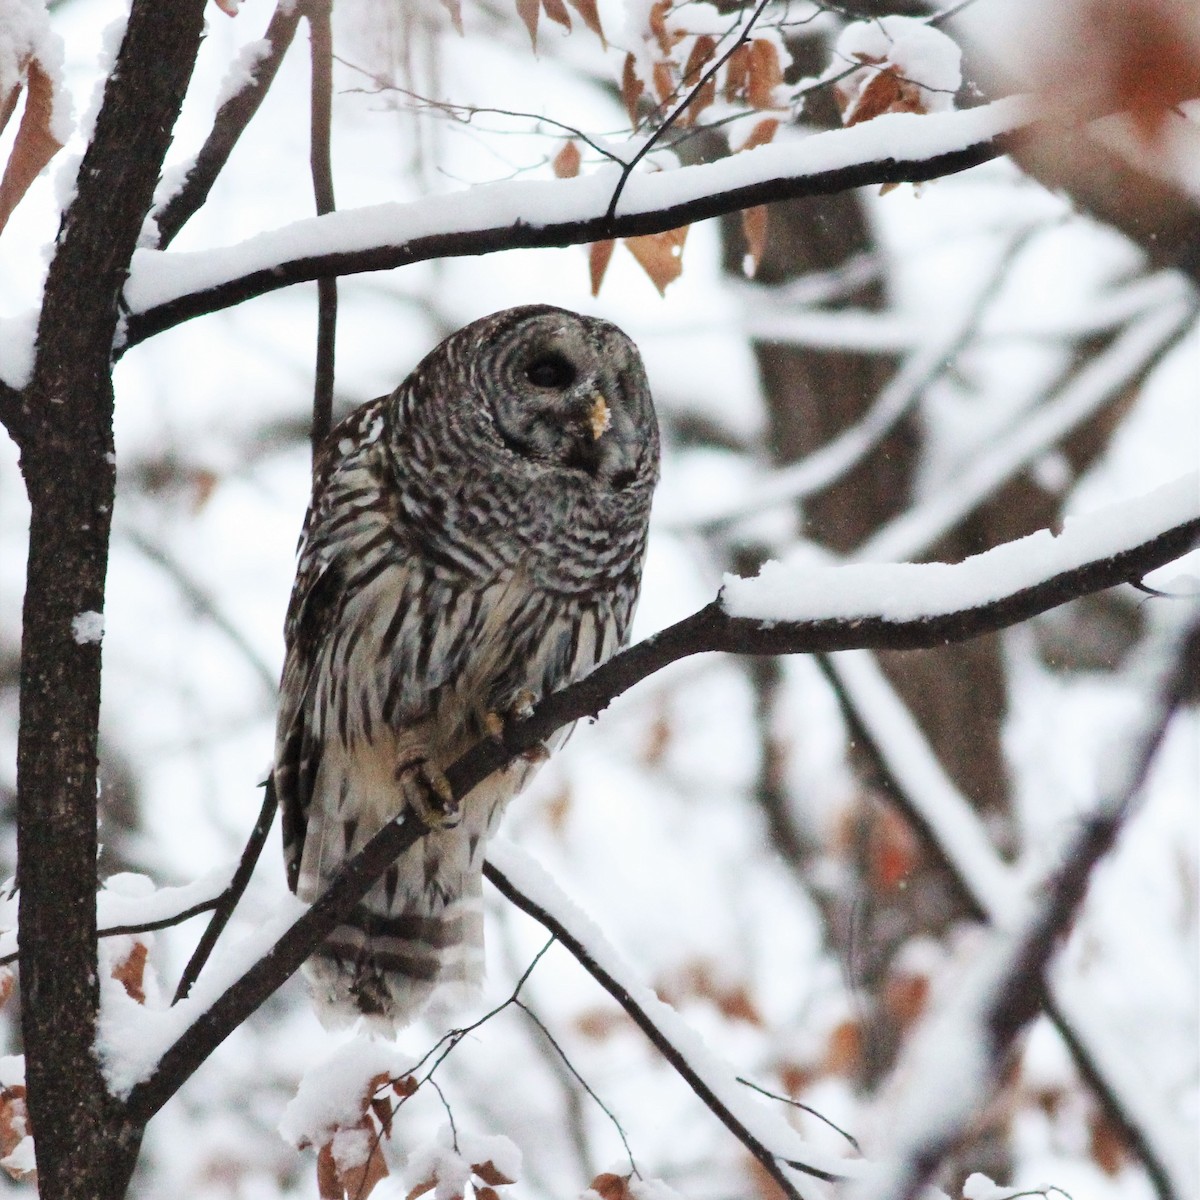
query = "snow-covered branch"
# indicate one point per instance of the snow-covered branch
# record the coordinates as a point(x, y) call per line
point(166, 288)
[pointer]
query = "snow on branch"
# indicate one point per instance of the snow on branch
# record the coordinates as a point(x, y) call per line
point(799, 591)
point(768, 1137)
point(131, 904)
point(166, 288)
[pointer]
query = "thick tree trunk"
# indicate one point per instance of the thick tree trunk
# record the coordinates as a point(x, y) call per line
point(85, 1146)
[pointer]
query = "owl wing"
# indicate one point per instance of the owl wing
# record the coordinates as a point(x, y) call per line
point(315, 611)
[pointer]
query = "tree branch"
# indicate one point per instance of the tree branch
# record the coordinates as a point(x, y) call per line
point(321, 104)
point(85, 1146)
point(712, 628)
point(391, 236)
point(678, 1059)
point(228, 899)
point(230, 122)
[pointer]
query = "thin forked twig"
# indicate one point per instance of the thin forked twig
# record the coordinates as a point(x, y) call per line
point(227, 901)
point(321, 165)
point(679, 109)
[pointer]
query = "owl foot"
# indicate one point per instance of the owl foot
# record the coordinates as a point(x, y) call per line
point(496, 723)
point(428, 793)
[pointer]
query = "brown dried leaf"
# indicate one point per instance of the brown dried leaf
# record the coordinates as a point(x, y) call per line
point(528, 11)
point(491, 1174)
point(658, 25)
point(204, 483)
point(703, 97)
point(556, 10)
point(567, 160)
point(765, 1187)
point(599, 256)
point(698, 58)
point(590, 17)
point(660, 255)
point(34, 145)
point(905, 996)
point(632, 88)
point(764, 73)
point(843, 1052)
point(383, 1114)
point(737, 72)
point(329, 1182)
point(612, 1187)
point(14, 1126)
point(1109, 1151)
point(754, 230)
point(405, 1087)
point(130, 972)
point(762, 134)
point(229, 7)
point(419, 1189)
point(596, 1024)
point(794, 1077)
point(7, 979)
point(8, 105)
point(885, 91)
point(454, 8)
point(359, 1182)
point(352, 1181)
point(664, 80)
point(893, 851)
point(486, 1193)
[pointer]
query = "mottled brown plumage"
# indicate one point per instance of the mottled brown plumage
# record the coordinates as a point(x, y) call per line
point(475, 539)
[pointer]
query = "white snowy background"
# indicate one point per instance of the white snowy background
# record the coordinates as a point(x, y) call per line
point(646, 819)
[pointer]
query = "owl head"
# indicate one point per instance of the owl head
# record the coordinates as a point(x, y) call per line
point(566, 391)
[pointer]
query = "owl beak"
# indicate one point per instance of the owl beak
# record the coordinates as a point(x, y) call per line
point(599, 418)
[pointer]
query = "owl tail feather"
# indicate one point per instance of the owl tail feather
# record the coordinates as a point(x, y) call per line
point(386, 968)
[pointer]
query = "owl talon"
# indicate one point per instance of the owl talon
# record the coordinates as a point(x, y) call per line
point(496, 721)
point(429, 794)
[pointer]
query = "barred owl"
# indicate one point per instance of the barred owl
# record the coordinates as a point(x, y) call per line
point(474, 542)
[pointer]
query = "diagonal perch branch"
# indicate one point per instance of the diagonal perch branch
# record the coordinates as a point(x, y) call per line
point(712, 628)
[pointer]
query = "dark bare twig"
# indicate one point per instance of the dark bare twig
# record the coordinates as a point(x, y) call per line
point(178, 918)
point(228, 899)
point(320, 161)
point(812, 1112)
point(446, 1045)
point(681, 108)
point(583, 1083)
point(707, 630)
point(230, 122)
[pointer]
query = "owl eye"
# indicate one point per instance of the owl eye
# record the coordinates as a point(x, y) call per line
point(550, 371)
